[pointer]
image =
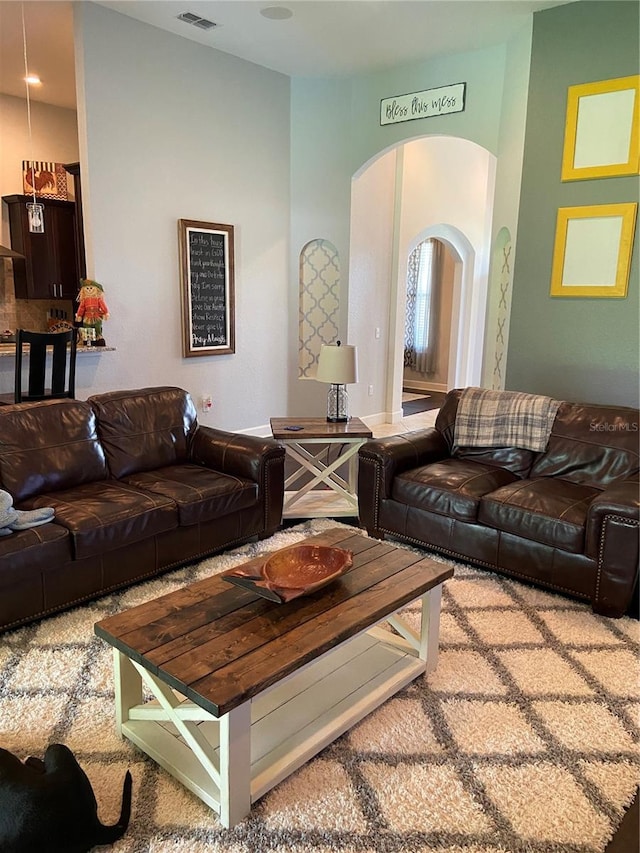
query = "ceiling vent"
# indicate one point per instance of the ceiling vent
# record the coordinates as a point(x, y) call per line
point(197, 21)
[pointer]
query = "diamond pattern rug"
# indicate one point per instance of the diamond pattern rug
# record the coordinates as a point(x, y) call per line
point(524, 739)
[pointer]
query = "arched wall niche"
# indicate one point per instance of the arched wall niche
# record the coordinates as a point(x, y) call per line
point(319, 303)
point(501, 282)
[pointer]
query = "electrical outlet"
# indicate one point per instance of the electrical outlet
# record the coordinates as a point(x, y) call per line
point(207, 403)
point(377, 333)
point(371, 390)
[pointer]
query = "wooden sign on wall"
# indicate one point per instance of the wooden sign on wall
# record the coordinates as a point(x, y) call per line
point(207, 282)
point(425, 104)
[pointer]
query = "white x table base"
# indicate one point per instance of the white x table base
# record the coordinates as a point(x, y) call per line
point(324, 503)
point(231, 761)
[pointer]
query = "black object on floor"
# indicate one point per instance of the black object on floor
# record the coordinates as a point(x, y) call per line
point(432, 400)
point(627, 838)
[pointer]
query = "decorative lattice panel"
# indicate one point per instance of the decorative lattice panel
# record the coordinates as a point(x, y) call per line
point(319, 302)
point(502, 257)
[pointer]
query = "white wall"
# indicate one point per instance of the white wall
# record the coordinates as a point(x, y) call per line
point(507, 197)
point(372, 247)
point(320, 202)
point(171, 129)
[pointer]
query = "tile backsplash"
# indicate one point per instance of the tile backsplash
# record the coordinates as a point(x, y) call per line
point(8, 318)
point(25, 313)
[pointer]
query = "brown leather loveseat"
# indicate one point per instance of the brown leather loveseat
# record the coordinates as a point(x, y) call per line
point(138, 487)
point(566, 518)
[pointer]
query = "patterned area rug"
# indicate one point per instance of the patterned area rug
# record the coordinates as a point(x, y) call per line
point(525, 738)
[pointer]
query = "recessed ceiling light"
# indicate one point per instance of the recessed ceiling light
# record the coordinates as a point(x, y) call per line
point(276, 13)
point(33, 80)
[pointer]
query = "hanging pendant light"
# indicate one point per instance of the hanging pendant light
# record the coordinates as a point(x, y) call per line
point(35, 210)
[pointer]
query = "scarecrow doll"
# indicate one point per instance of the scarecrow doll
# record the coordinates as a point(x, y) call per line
point(92, 309)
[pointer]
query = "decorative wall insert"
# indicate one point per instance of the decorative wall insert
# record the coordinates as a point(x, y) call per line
point(502, 260)
point(319, 305)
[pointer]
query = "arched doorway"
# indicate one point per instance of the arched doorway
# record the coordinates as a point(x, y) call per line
point(433, 186)
point(462, 369)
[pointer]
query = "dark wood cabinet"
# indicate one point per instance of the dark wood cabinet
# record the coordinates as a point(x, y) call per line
point(74, 169)
point(50, 269)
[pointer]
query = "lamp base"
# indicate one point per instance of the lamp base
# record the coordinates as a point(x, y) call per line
point(337, 404)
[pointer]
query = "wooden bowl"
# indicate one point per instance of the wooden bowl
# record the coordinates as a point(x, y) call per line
point(305, 567)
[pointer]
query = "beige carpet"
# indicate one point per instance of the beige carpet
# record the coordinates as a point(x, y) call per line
point(525, 739)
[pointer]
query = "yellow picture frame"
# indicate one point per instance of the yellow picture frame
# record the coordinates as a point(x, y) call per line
point(592, 250)
point(602, 130)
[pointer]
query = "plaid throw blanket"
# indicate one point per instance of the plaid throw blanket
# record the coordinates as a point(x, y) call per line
point(503, 419)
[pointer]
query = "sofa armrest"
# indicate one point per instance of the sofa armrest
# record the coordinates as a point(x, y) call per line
point(380, 460)
point(233, 453)
point(620, 500)
point(613, 525)
point(260, 460)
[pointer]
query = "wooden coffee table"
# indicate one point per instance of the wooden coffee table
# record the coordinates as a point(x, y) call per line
point(247, 690)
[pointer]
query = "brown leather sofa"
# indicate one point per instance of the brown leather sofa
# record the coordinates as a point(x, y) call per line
point(138, 487)
point(566, 519)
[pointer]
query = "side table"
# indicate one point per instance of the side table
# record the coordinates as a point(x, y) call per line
point(339, 498)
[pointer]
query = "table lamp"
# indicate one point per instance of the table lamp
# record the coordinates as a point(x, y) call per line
point(337, 365)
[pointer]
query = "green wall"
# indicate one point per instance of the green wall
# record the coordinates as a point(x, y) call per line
point(579, 348)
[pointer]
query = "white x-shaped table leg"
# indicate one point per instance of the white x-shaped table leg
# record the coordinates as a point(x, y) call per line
point(323, 473)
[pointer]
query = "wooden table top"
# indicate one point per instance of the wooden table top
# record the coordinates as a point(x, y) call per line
point(220, 645)
point(318, 428)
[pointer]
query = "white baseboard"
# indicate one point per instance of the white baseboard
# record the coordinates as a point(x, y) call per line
point(415, 385)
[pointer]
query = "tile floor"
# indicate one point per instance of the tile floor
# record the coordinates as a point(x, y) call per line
point(408, 424)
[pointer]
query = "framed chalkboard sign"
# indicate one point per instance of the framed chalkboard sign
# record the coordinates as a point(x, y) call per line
point(206, 278)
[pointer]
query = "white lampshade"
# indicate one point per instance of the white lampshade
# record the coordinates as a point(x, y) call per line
point(338, 364)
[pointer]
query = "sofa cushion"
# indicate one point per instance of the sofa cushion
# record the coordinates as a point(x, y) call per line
point(594, 445)
point(145, 429)
point(549, 510)
point(514, 459)
point(107, 515)
point(450, 487)
point(33, 550)
point(48, 446)
point(199, 493)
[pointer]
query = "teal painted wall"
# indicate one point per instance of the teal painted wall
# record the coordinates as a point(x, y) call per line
point(573, 349)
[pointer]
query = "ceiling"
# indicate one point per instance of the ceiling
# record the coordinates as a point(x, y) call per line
point(321, 38)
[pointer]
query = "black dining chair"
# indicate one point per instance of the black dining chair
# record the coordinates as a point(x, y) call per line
point(33, 381)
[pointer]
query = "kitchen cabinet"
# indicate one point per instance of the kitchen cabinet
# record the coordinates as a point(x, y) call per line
point(74, 169)
point(50, 268)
